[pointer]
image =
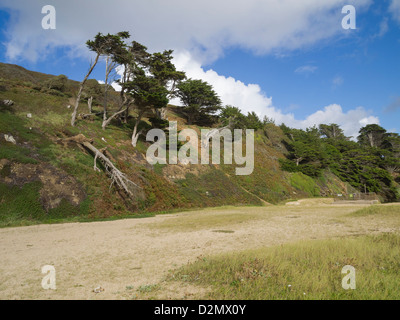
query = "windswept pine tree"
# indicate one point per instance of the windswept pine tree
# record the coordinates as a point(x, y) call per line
point(199, 99)
point(101, 45)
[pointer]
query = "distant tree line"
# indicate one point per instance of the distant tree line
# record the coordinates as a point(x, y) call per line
point(370, 164)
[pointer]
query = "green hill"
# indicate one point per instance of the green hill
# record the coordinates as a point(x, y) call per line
point(45, 176)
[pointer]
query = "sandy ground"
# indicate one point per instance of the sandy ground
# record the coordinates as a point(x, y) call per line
point(127, 256)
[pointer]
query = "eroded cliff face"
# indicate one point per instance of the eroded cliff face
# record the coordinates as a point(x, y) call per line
point(56, 183)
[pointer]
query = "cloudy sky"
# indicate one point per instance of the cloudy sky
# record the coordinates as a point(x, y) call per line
point(290, 60)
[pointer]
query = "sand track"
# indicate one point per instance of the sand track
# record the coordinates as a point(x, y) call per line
point(122, 256)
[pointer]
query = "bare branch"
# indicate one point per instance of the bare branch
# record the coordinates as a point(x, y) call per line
point(117, 177)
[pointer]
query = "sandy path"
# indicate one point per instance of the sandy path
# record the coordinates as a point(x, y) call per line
point(125, 254)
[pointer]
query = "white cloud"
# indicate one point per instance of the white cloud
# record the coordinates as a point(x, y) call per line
point(337, 81)
point(350, 121)
point(250, 97)
point(383, 28)
point(306, 69)
point(115, 85)
point(205, 27)
point(395, 9)
point(232, 91)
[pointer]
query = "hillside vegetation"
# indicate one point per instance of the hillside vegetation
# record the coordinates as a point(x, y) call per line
point(46, 176)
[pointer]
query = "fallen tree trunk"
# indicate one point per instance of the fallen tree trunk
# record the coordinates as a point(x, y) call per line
point(117, 177)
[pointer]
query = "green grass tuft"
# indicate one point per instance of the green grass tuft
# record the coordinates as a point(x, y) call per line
point(386, 210)
point(20, 205)
point(305, 270)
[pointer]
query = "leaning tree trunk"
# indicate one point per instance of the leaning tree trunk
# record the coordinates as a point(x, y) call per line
point(126, 115)
point(106, 122)
point(78, 98)
point(136, 134)
point(108, 70)
point(73, 117)
point(117, 177)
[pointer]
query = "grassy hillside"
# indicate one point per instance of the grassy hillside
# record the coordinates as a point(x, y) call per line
point(44, 177)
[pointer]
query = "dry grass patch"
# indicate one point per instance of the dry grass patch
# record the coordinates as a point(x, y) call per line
point(304, 270)
point(383, 211)
point(211, 219)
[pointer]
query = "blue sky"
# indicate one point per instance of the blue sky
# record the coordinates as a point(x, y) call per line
point(350, 74)
point(289, 60)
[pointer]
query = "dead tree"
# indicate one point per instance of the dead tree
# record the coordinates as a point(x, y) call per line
point(117, 177)
point(106, 121)
point(81, 85)
point(110, 66)
point(101, 45)
point(90, 102)
point(136, 133)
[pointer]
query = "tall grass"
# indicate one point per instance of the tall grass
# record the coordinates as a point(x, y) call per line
point(20, 205)
point(305, 270)
point(387, 210)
